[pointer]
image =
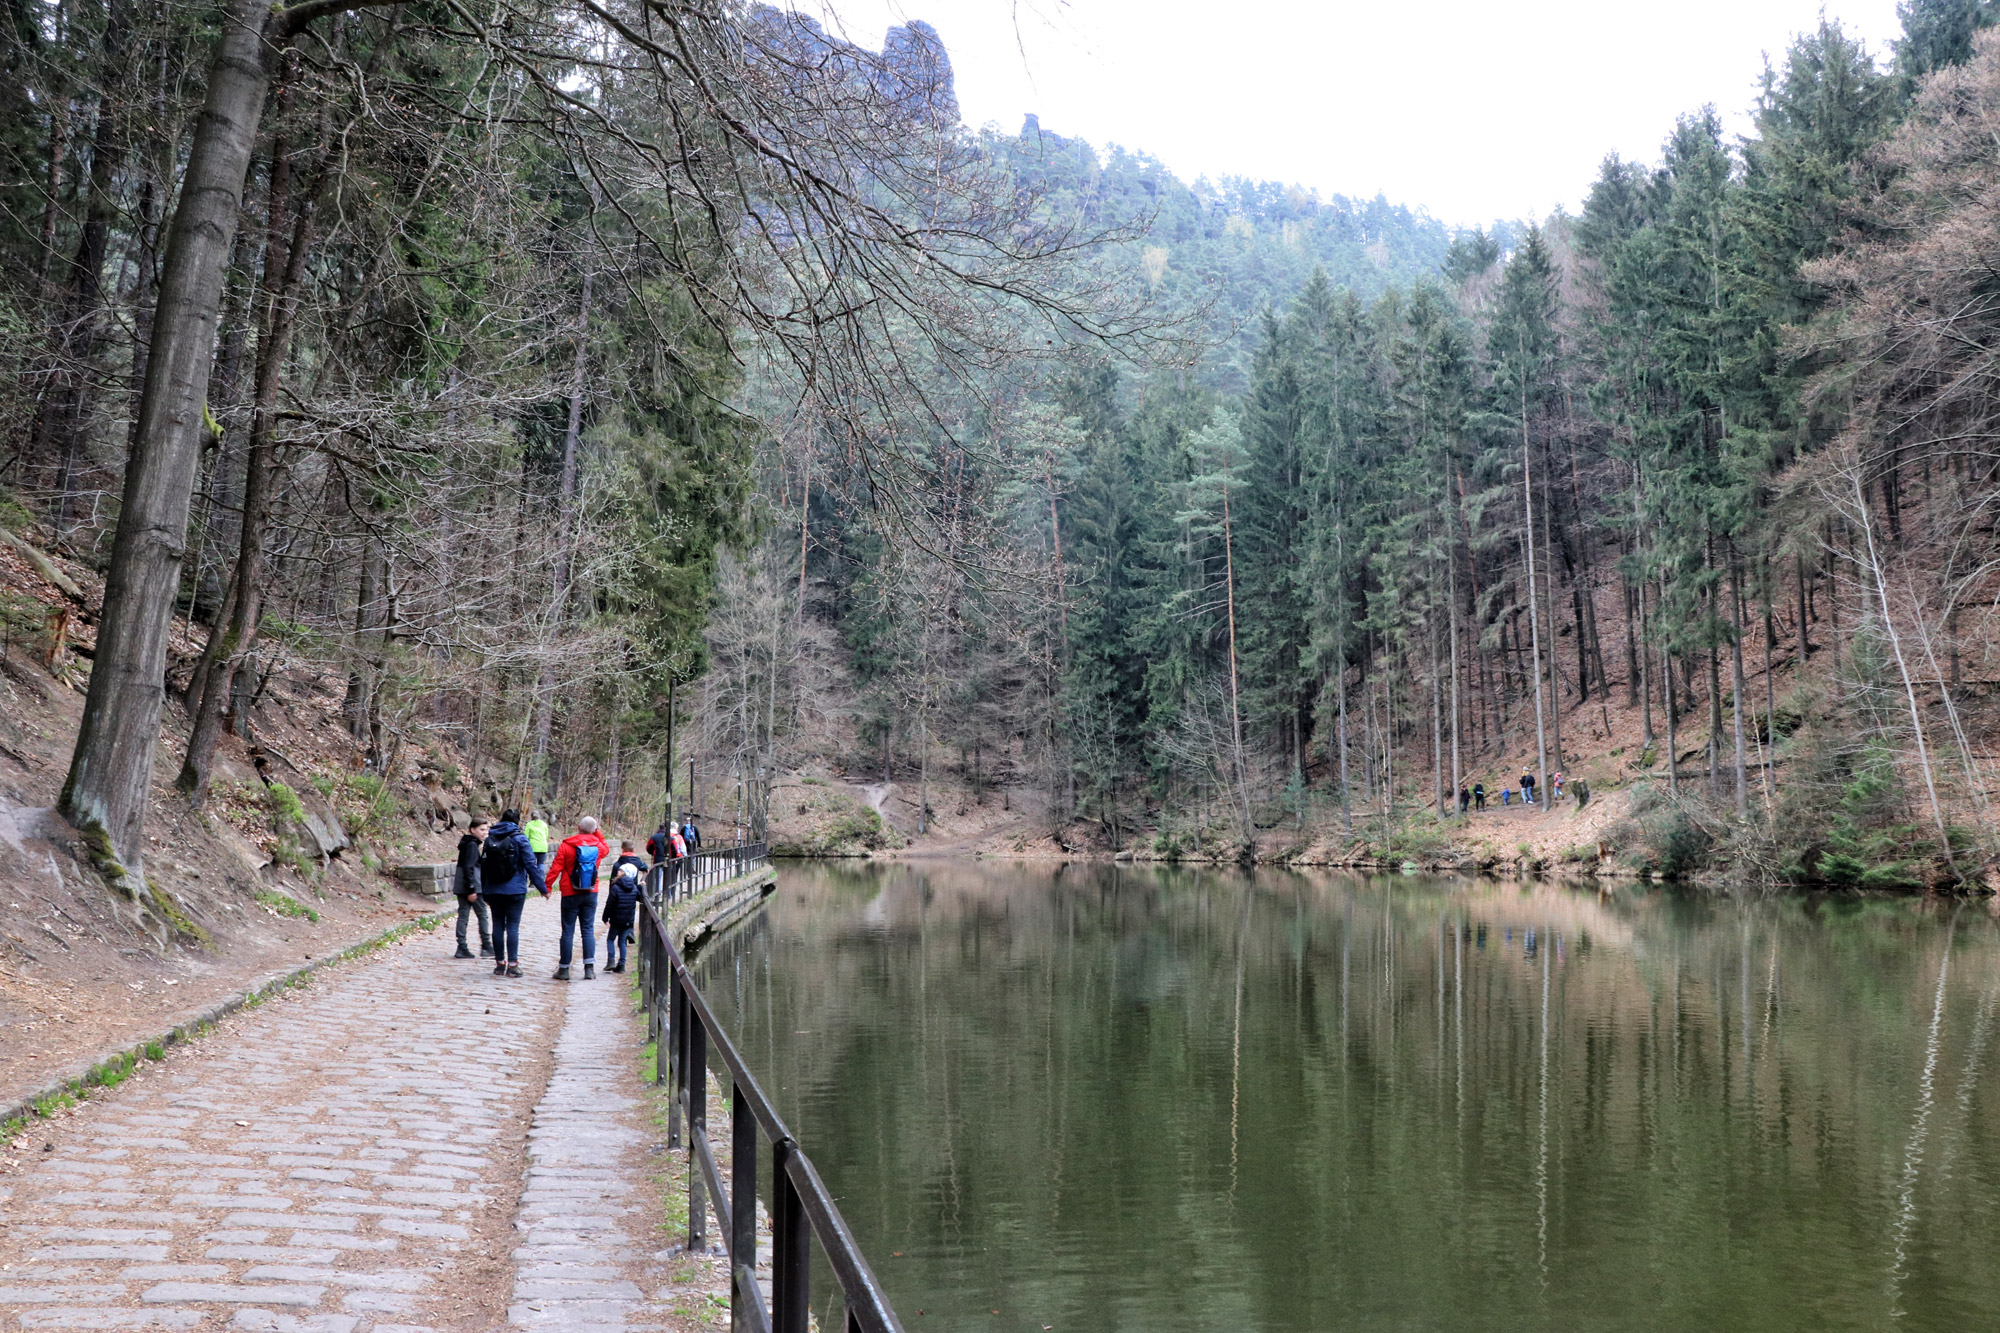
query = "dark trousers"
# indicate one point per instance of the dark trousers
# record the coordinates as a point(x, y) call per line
point(616, 935)
point(580, 913)
point(468, 907)
point(507, 925)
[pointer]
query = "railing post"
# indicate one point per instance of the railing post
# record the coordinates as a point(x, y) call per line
point(742, 1180)
point(677, 1010)
point(791, 1256)
point(696, 1078)
point(658, 1006)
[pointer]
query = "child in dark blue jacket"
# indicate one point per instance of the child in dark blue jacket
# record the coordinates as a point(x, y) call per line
point(621, 907)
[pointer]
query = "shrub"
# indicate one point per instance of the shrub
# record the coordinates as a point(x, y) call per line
point(1667, 834)
point(286, 803)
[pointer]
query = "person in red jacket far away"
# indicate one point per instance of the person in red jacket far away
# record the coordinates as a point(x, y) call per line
point(583, 856)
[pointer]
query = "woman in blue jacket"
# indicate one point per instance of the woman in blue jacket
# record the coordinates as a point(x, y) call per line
point(506, 867)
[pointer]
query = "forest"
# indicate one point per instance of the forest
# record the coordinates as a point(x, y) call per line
point(588, 388)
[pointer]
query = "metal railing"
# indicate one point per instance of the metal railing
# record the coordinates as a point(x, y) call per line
point(685, 876)
point(689, 1037)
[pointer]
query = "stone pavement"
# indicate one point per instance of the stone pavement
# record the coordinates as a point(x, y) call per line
point(585, 1213)
point(357, 1157)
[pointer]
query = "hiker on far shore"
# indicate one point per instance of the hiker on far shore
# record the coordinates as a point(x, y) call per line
point(1479, 795)
point(1527, 787)
point(583, 856)
point(506, 867)
point(465, 884)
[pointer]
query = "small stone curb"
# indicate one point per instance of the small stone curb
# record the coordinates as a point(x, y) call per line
point(716, 908)
point(78, 1084)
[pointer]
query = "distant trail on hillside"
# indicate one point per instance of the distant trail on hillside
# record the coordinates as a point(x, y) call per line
point(877, 795)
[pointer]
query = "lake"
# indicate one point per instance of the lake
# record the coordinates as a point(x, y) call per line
point(1108, 1098)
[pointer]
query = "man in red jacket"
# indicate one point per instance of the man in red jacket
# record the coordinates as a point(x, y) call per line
point(583, 856)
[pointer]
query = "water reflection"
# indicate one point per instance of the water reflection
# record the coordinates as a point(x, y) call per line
point(1103, 1098)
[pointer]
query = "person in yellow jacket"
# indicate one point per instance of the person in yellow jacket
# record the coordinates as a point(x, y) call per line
point(537, 831)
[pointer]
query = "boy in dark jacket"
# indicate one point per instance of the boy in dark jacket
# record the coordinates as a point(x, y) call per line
point(629, 854)
point(621, 908)
point(466, 886)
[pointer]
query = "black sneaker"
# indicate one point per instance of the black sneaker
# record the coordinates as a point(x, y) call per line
point(463, 952)
point(486, 950)
point(499, 969)
point(589, 972)
point(562, 974)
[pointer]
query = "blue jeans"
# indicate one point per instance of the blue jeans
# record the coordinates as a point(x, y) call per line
point(615, 938)
point(579, 911)
point(506, 908)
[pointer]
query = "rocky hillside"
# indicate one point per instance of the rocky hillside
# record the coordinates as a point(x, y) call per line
point(291, 860)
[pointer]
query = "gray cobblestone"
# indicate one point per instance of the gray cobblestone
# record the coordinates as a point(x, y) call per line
point(318, 1166)
point(586, 1217)
point(229, 1292)
point(88, 1318)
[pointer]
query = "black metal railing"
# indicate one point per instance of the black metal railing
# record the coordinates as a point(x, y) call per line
point(685, 876)
point(689, 1037)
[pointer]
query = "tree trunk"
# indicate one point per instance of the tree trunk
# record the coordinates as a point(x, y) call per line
point(1644, 666)
point(1437, 721)
point(111, 770)
point(64, 423)
point(359, 704)
point(1555, 669)
point(1673, 723)
point(1451, 592)
point(567, 522)
point(1235, 704)
point(1736, 684)
point(1631, 654)
point(1771, 697)
point(1714, 707)
point(45, 252)
point(284, 265)
point(1534, 611)
point(1340, 688)
point(1902, 667)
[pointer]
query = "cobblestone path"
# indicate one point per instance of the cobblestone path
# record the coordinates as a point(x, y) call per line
point(589, 1229)
point(357, 1158)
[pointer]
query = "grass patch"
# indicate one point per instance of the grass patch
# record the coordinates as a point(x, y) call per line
point(286, 803)
point(283, 904)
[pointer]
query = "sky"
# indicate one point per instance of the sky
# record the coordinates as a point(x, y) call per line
point(1472, 110)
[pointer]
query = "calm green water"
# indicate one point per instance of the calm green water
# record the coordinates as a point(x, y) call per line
point(1116, 1099)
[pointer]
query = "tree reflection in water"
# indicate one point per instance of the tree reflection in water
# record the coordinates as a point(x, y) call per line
point(1111, 1098)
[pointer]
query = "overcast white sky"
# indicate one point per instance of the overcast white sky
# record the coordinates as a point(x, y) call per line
point(1474, 109)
